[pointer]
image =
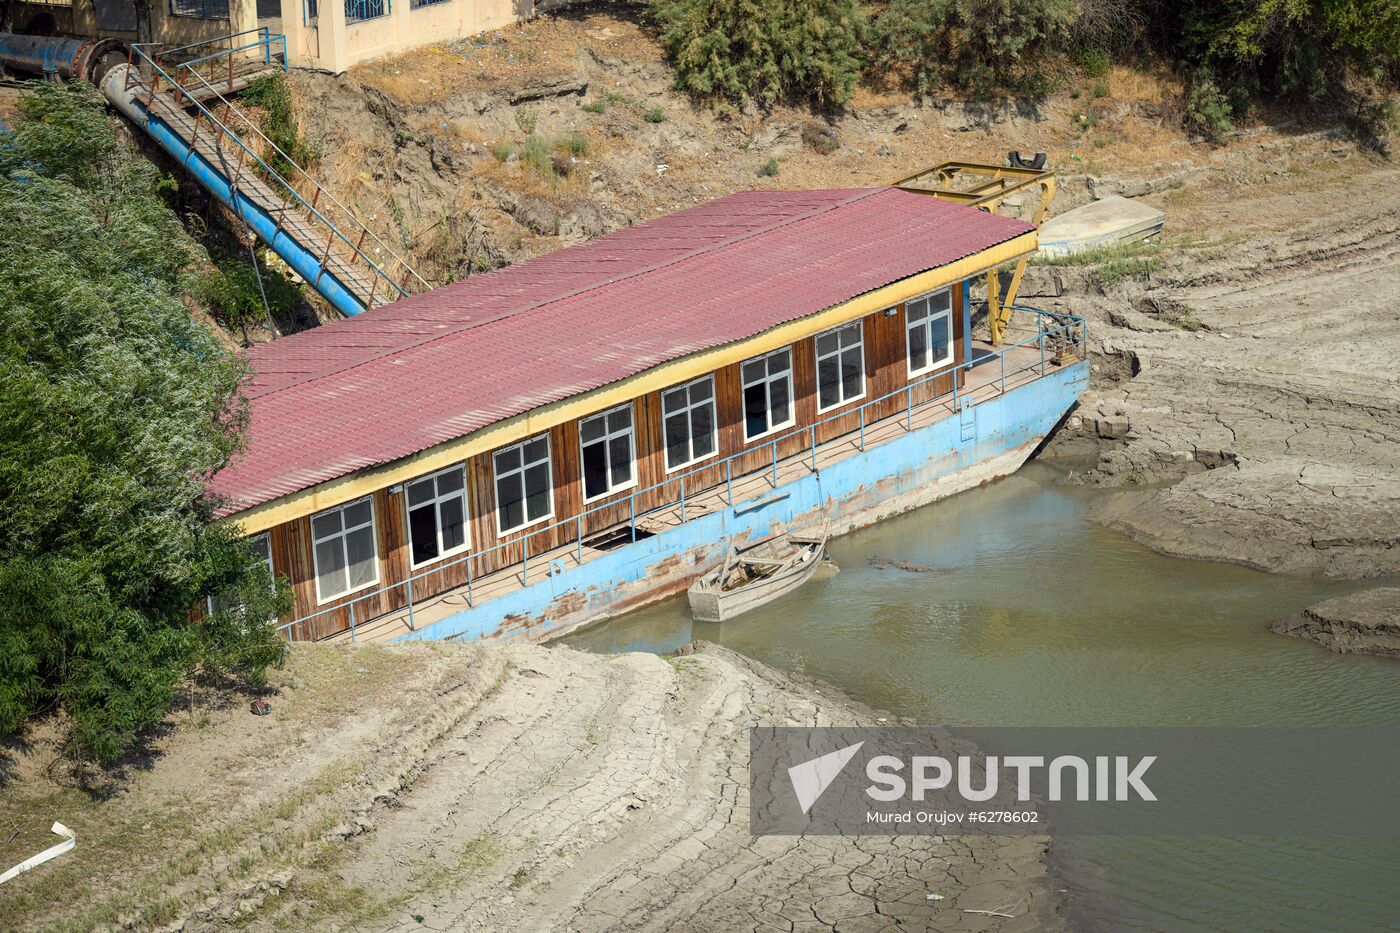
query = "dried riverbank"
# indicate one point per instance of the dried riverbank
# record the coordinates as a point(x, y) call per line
point(451, 786)
point(1362, 623)
point(1246, 401)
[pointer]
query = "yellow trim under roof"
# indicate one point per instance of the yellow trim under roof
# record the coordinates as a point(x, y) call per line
point(354, 485)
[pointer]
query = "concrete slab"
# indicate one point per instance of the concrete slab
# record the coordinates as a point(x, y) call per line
point(1101, 223)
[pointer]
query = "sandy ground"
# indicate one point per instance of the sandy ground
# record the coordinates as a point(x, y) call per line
point(455, 787)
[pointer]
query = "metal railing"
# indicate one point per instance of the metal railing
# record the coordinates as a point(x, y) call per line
point(359, 11)
point(221, 53)
point(1064, 332)
point(407, 282)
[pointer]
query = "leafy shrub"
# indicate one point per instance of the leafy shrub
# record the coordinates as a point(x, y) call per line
point(742, 50)
point(537, 153)
point(820, 138)
point(1295, 48)
point(272, 95)
point(575, 144)
point(769, 168)
point(655, 115)
point(1093, 61)
point(236, 296)
point(979, 45)
point(115, 408)
point(1207, 109)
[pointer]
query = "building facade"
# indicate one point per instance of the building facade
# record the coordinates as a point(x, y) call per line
point(461, 433)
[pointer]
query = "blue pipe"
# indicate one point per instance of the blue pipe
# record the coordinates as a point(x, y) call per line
point(306, 263)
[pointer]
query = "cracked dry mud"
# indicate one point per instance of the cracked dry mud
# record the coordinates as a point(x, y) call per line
point(447, 786)
point(611, 794)
point(1269, 435)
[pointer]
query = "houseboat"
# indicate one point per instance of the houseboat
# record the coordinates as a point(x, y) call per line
point(574, 436)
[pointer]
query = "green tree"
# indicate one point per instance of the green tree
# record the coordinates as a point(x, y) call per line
point(980, 45)
point(115, 409)
point(1293, 48)
point(742, 50)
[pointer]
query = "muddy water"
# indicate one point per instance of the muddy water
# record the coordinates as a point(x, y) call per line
point(1029, 615)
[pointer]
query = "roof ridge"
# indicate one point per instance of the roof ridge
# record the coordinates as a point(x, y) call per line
point(699, 251)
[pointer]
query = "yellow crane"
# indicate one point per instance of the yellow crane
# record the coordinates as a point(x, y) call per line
point(985, 187)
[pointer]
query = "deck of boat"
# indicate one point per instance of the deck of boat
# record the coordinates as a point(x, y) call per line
point(1022, 365)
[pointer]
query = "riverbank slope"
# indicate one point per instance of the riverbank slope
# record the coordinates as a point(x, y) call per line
point(1246, 403)
point(452, 786)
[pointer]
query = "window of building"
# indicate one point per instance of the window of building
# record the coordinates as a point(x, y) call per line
point(437, 515)
point(524, 492)
point(688, 413)
point(928, 330)
point(607, 452)
point(262, 546)
point(840, 366)
point(357, 11)
point(767, 393)
point(345, 549)
point(200, 9)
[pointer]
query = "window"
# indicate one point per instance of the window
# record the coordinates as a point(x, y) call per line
point(767, 393)
point(688, 413)
point(357, 11)
point(437, 515)
point(200, 9)
point(344, 549)
point(607, 452)
point(524, 493)
point(928, 331)
point(262, 546)
point(840, 366)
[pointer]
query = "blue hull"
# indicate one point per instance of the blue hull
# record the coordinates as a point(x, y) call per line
point(987, 441)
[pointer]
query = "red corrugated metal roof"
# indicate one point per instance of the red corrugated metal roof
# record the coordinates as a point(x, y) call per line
point(392, 382)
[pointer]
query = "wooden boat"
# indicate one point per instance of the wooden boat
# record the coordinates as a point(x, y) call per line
point(756, 575)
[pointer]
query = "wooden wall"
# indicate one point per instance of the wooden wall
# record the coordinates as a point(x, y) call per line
point(886, 372)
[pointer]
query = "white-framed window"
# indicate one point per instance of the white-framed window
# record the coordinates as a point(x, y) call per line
point(688, 420)
point(928, 331)
point(606, 442)
point(767, 382)
point(262, 546)
point(345, 549)
point(437, 515)
point(524, 484)
point(840, 366)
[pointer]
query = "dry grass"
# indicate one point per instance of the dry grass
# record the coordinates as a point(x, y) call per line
point(534, 51)
point(1147, 83)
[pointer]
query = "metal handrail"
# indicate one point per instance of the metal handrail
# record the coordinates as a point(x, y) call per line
point(349, 214)
point(276, 176)
point(203, 42)
point(1069, 325)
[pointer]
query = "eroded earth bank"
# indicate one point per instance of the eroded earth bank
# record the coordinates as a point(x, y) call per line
point(452, 786)
point(1249, 400)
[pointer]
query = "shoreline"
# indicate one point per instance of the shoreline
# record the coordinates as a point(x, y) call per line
point(492, 787)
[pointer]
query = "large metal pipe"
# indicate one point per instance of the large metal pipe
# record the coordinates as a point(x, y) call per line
point(88, 59)
point(117, 89)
